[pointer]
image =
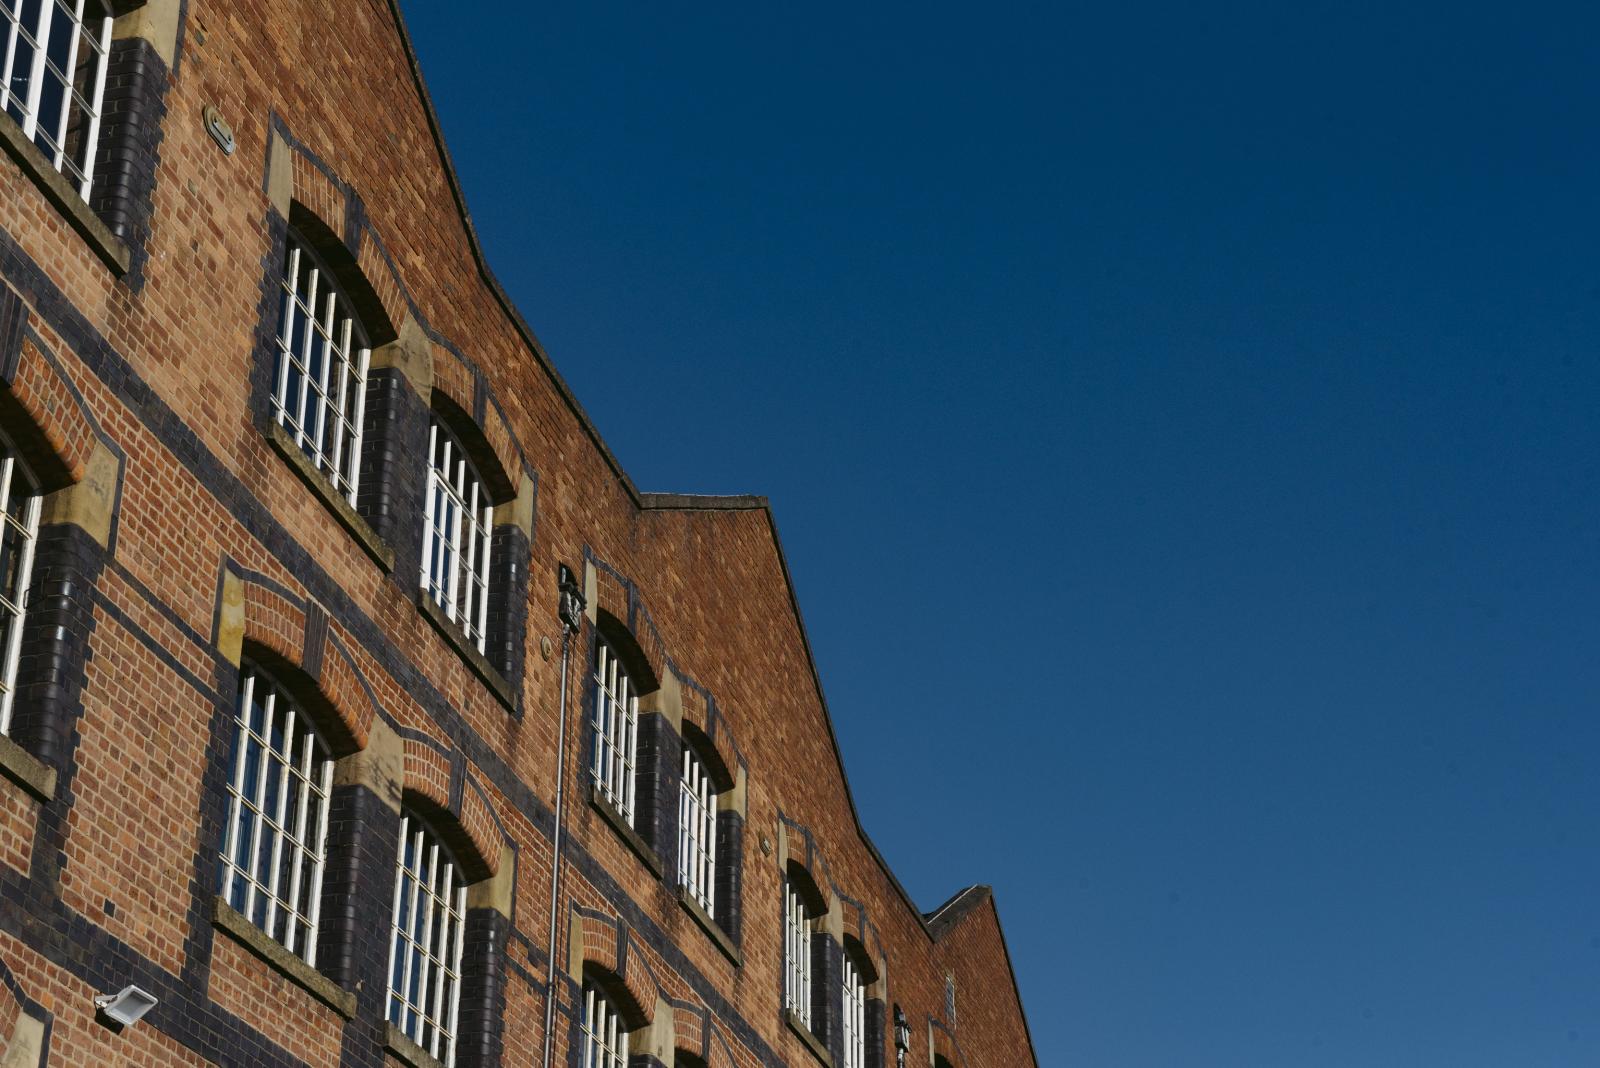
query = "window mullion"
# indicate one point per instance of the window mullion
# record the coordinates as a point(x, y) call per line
point(41, 44)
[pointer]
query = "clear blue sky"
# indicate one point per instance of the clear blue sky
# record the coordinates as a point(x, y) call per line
point(1184, 427)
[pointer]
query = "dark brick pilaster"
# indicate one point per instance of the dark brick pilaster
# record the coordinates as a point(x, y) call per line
point(655, 811)
point(730, 875)
point(134, 105)
point(480, 1041)
point(876, 1038)
point(394, 470)
point(357, 889)
point(827, 993)
point(508, 603)
point(55, 643)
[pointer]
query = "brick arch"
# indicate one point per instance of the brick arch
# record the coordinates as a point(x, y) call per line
point(326, 236)
point(290, 637)
point(945, 1051)
point(435, 784)
point(644, 674)
point(604, 950)
point(495, 469)
point(44, 416)
point(697, 1040)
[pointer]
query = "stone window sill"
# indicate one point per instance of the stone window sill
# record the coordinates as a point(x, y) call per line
point(26, 770)
point(619, 823)
point(710, 926)
point(451, 631)
point(318, 483)
point(233, 923)
point(59, 191)
point(811, 1041)
point(399, 1043)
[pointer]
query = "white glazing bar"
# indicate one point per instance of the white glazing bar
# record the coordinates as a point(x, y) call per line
point(313, 279)
point(319, 846)
point(362, 359)
point(330, 356)
point(429, 510)
point(444, 876)
point(279, 811)
point(408, 1012)
point(258, 804)
point(14, 22)
point(455, 968)
point(241, 756)
point(395, 942)
point(97, 99)
point(291, 308)
point(30, 120)
point(301, 838)
point(338, 407)
point(66, 92)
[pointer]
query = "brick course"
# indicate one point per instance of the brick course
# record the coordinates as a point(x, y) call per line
point(216, 545)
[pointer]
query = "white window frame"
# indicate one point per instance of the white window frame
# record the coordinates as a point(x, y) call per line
point(605, 1041)
point(33, 70)
point(19, 530)
point(697, 832)
point(319, 338)
point(458, 527)
point(616, 729)
point(427, 932)
point(854, 1015)
point(796, 953)
point(277, 795)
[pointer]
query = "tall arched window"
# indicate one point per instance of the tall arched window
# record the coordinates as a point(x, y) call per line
point(456, 535)
point(54, 77)
point(796, 950)
point(854, 1015)
point(616, 729)
point(272, 857)
point(19, 532)
point(430, 904)
point(605, 1038)
point(697, 832)
point(319, 391)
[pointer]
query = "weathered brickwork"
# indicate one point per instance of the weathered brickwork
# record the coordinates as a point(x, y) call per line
point(182, 545)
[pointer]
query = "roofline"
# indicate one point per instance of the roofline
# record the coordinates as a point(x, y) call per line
point(658, 501)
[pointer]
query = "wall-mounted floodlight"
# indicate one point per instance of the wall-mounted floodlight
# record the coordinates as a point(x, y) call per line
point(126, 1006)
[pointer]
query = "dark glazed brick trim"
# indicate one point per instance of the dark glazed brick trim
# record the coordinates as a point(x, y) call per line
point(301, 464)
point(877, 1036)
point(710, 927)
point(232, 923)
point(812, 1043)
point(132, 111)
point(507, 646)
point(481, 1015)
point(619, 823)
point(659, 755)
point(357, 887)
point(394, 476)
point(25, 771)
point(112, 252)
point(452, 633)
point(54, 653)
point(729, 886)
point(397, 1043)
point(13, 321)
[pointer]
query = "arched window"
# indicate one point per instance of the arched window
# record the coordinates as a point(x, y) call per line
point(456, 535)
point(616, 729)
point(430, 903)
point(319, 385)
point(272, 857)
point(697, 832)
point(854, 1015)
point(798, 913)
point(605, 1037)
point(19, 532)
point(54, 77)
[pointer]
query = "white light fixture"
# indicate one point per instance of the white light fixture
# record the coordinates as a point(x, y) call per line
point(126, 1006)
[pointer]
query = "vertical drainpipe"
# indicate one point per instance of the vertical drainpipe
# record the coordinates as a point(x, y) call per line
point(571, 612)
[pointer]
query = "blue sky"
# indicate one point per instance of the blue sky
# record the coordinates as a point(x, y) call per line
point(1181, 421)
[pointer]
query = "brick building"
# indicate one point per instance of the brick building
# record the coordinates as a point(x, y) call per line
point(328, 621)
